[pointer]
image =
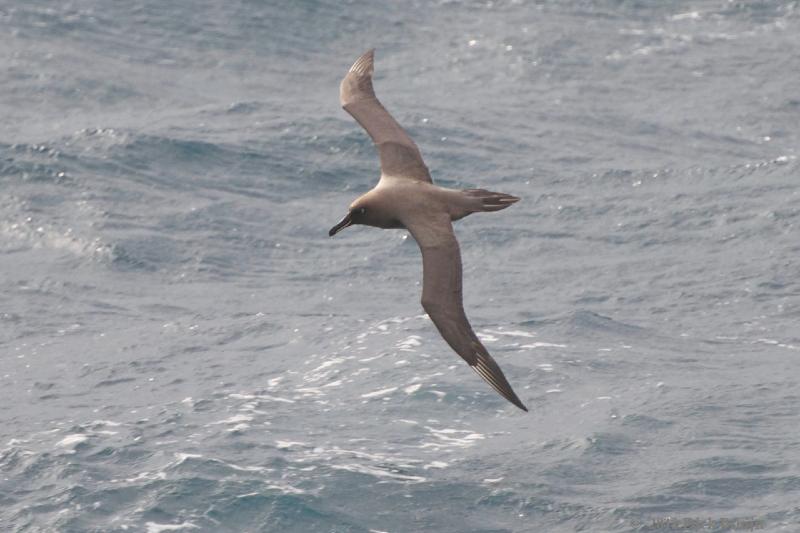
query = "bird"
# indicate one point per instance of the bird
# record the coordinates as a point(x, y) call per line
point(406, 198)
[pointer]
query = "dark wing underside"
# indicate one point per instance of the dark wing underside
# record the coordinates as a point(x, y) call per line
point(442, 300)
point(399, 156)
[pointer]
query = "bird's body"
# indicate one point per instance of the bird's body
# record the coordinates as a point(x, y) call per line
point(405, 197)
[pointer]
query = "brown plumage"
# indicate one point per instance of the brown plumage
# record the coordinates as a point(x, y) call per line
point(405, 197)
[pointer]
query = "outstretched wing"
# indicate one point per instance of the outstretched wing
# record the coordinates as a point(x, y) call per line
point(399, 156)
point(442, 299)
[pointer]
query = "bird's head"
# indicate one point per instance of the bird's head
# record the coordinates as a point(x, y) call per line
point(359, 214)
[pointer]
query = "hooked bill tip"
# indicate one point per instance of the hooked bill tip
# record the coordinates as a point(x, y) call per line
point(346, 221)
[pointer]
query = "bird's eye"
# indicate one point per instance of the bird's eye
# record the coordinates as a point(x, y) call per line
point(362, 210)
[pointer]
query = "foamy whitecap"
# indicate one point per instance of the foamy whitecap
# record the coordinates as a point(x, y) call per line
point(449, 438)
point(379, 393)
point(511, 333)
point(324, 370)
point(285, 488)
point(411, 389)
point(689, 15)
point(287, 444)
point(72, 441)
point(147, 476)
point(235, 419)
point(260, 397)
point(95, 423)
point(543, 345)
point(378, 472)
point(777, 343)
point(154, 527)
point(43, 235)
point(409, 343)
point(180, 458)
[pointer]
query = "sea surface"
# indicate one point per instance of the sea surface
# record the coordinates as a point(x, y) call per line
point(183, 348)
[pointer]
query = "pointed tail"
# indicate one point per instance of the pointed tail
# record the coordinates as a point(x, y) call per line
point(483, 200)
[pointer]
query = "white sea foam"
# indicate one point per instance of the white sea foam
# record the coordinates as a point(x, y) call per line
point(147, 476)
point(511, 333)
point(235, 419)
point(43, 236)
point(368, 359)
point(408, 344)
point(260, 397)
point(325, 369)
point(449, 438)
point(690, 15)
point(379, 393)
point(411, 389)
point(287, 444)
point(180, 458)
point(72, 441)
point(378, 472)
point(778, 344)
point(153, 527)
point(543, 345)
point(95, 423)
point(274, 382)
point(285, 488)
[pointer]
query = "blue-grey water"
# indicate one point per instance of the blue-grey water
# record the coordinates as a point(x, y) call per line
point(183, 348)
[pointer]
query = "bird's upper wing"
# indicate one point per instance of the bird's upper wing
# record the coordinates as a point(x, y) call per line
point(442, 298)
point(399, 155)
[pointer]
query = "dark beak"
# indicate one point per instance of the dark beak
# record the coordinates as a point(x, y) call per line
point(346, 221)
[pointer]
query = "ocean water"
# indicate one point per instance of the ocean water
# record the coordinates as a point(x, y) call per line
point(183, 348)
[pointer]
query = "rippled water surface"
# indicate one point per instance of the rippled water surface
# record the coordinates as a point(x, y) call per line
point(182, 347)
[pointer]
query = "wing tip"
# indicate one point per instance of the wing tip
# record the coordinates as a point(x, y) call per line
point(364, 65)
point(498, 382)
point(516, 401)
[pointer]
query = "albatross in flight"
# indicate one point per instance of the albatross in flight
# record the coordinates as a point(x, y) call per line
point(406, 197)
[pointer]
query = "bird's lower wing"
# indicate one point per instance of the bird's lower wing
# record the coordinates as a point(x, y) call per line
point(442, 300)
point(399, 156)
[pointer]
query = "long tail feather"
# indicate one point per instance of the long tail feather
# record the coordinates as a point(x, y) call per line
point(490, 201)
